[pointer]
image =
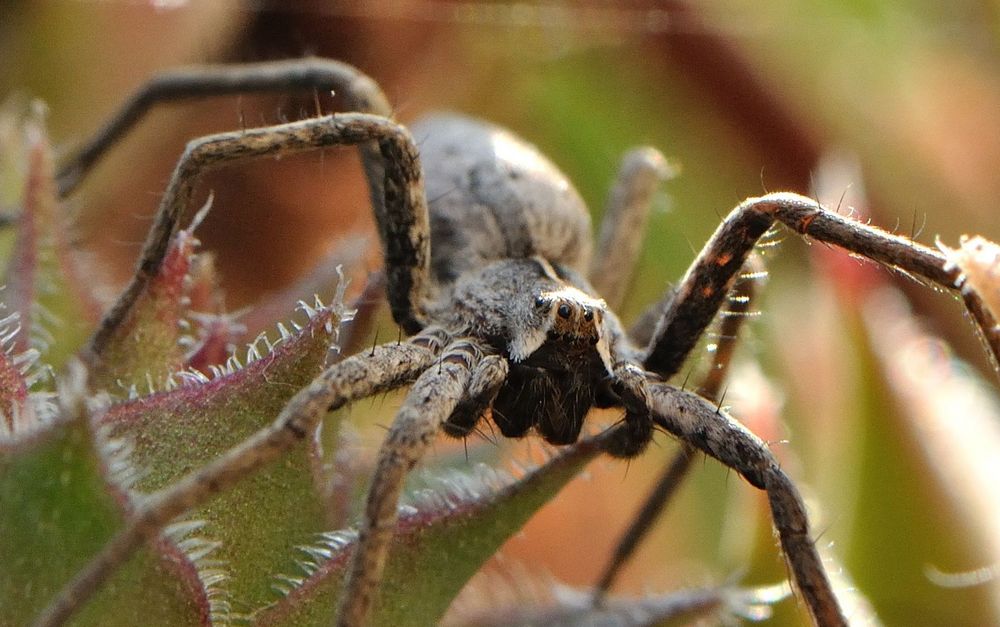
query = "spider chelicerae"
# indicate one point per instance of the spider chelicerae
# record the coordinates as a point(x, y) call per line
point(494, 285)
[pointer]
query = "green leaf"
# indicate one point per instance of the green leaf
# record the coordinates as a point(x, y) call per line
point(145, 349)
point(44, 277)
point(440, 542)
point(58, 511)
point(261, 520)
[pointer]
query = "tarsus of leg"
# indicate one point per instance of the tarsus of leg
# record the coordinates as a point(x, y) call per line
point(697, 421)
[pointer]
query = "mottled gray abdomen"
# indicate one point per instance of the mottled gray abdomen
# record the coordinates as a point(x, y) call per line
point(493, 196)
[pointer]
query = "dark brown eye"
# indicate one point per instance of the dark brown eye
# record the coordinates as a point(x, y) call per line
point(563, 311)
point(588, 315)
point(539, 302)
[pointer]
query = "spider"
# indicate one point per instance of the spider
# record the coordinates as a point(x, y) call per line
point(494, 285)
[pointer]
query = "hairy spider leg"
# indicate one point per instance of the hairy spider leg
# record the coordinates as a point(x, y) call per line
point(384, 368)
point(705, 426)
point(701, 293)
point(480, 396)
point(431, 400)
point(403, 222)
point(360, 93)
point(732, 321)
point(694, 303)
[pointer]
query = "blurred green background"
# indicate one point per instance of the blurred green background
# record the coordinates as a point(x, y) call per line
point(893, 107)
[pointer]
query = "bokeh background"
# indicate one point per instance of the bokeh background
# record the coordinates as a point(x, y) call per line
point(891, 107)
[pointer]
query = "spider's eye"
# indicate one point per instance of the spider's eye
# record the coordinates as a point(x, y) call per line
point(539, 302)
point(563, 311)
point(588, 315)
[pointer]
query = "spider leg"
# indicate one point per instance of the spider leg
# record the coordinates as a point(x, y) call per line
point(704, 287)
point(734, 316)
point(403, 224)
point(704, 426)
point(487, 379)
point(385, 367)
point(432, 399)
point(360, 93)
point(624, 223)
point(634, 433)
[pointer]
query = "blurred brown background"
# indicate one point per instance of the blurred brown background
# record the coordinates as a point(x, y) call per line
point(894, 105)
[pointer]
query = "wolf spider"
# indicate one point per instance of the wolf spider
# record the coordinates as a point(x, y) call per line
point(492, 282)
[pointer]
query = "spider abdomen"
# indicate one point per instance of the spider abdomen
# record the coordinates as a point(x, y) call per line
point(493, 196)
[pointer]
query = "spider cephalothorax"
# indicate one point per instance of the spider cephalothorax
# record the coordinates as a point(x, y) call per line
point(555, 338)
point(493, 282)
point(509, 239)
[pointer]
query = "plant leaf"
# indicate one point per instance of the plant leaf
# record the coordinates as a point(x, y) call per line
point(214, 334)
point(440, 543)
point(58, 510)
point(145, 349)
point(43, 281)
point(260, 521)
point(21, 412)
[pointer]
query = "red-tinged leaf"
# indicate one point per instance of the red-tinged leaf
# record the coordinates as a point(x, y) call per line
point(204, 294)
point(213, 334)
point(146, 348)
point(440, 543)
point(13, 386)
point(21, 411)
point(45, 282)
point(175, 432)
point(215, 337)
point(60, 506)
point(13, 399)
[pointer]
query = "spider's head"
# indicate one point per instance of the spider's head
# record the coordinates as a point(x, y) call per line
point(533, 312)
point(568, 321)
